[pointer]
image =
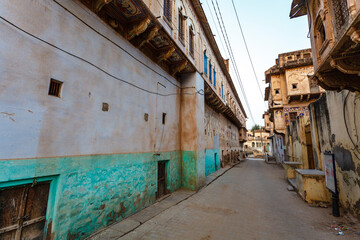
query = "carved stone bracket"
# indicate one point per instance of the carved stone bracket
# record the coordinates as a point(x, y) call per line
point(149, 34)
point(179, 67)
point(165, 54)
point(354, 35)
point(138, 28)
point(347, 65)
point(99, 4)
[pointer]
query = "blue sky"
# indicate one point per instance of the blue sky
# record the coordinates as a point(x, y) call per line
point(268, 31)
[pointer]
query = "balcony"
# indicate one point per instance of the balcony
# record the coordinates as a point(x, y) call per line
point(219, 106)
point(134, 21)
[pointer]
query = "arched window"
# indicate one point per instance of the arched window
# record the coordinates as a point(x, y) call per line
point(205, 63)
point(191, 40)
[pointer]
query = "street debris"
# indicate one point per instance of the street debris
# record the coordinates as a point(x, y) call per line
point(290, 188)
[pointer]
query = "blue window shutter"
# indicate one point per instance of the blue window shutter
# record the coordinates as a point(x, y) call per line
point(210, 69)
point(222, 90)
point(214, 78)
point(205, 63)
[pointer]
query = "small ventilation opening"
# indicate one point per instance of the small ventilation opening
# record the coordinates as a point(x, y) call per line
point(294, 86)
point(277, 91)
point(55, 87)
point(105, 107)
point(164, 118)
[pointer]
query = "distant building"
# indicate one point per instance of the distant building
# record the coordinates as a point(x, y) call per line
point(107, 106)
point(257, 142)
point(291, 88)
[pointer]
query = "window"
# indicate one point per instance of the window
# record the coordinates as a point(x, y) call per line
point(321, 33)
point(55, 87)
point(307, 55)
point(167, 10)
point(205, 63)
point(105, 107)
point(294, 86)
point(293, 116)
point(191, 41)
point(163, 118)
point(342, 13)
point(289, 58)
point(214, 78)
point(222, 90)
point(277, 91)
point(210, 69)
point(181, 27)
point(253, 144)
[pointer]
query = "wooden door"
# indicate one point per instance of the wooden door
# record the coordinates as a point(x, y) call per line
point(23, 211)
point(161, 180)
point(309, 147)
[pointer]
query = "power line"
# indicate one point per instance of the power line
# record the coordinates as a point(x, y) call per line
point(247, 50)
point(201, 92)
point(217, 30)
point(117, 45)
point(228, 46)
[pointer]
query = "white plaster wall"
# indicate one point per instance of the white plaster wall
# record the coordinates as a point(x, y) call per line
point(33, 124)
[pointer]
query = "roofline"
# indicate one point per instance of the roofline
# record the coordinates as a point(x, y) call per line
point(210, 37)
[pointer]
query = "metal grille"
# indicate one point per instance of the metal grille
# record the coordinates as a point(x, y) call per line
point(55, 87)
point(167, 9)
point(342, 13)
point(181, 27)
point(191, 43)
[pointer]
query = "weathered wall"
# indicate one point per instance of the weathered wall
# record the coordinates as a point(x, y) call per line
point(102, 163)
point(337, 123)
point(201, 44)
point(296, 150)
point(192, 135)
point(221, 138)
point(277, 146)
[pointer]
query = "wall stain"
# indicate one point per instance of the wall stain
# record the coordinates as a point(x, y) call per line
point(344, 159)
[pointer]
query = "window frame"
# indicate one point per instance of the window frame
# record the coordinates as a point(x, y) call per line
point(181, 29)
point(167, 10)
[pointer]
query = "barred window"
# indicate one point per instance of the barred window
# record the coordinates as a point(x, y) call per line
point(167, 10)
point(191, 41)
point(181, 27)
point(341, 12)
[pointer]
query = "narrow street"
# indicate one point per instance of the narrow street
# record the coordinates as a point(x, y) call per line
point(250, 201)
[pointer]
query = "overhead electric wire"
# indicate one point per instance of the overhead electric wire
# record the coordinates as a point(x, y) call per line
point(201, 92)
point(247, 50)
point(232, 58)
point(216, 28)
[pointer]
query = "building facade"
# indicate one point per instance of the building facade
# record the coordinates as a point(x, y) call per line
point(290, 88)
point(257, 142)
point(104, 105)
point(334, 34)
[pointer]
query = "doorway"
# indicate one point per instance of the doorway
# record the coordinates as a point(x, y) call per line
point(161, 191)
point(215, 155)
point(310, 151)
point(23, 211)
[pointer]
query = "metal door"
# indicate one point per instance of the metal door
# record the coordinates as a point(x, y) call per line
point(161, 180)
point(23, 211)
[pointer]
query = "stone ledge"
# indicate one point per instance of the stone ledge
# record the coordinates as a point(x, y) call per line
point(310, 172)
point(292, 163)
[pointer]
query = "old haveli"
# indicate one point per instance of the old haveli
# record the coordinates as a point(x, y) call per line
point(107, 105)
